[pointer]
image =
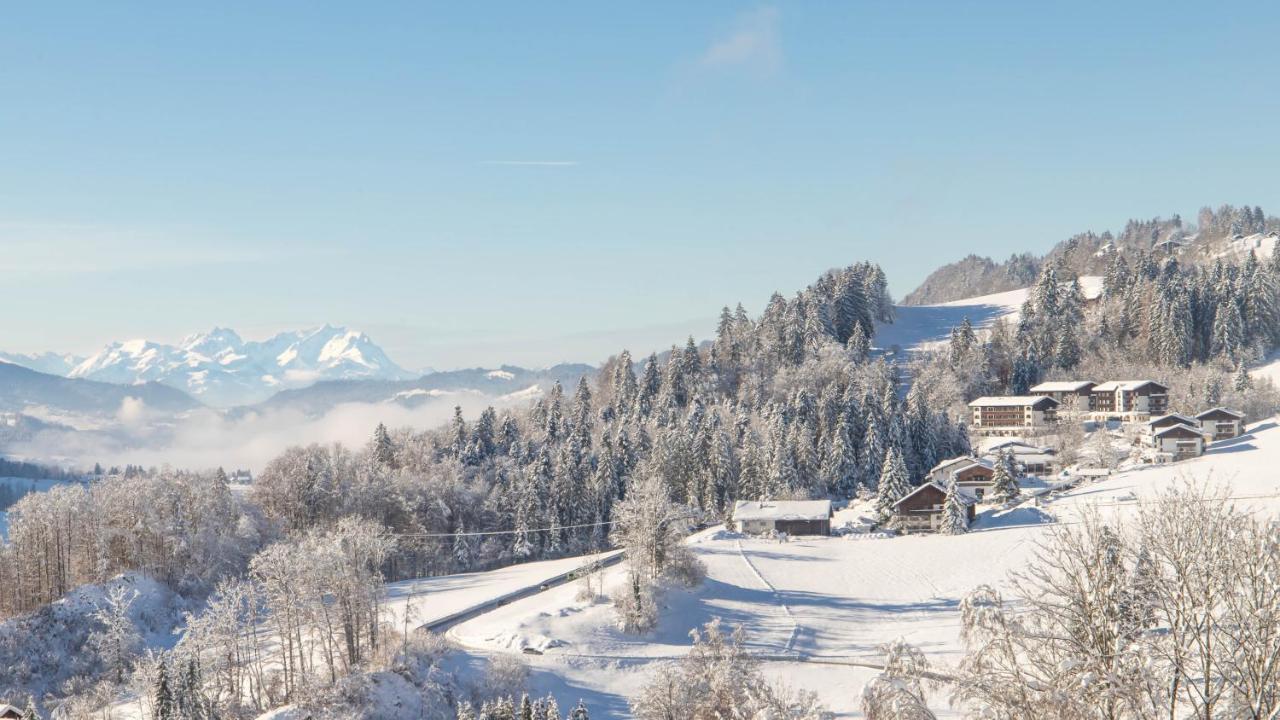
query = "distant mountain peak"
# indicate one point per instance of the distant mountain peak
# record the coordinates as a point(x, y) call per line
point(220, 368)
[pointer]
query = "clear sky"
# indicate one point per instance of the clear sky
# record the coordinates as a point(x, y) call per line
point(475, 183)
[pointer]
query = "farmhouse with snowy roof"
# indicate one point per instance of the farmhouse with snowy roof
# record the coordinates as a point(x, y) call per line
point(1165, 421)
point(1177, 442)
point(1013, 414)
point(967, 472)
point(793, 517)
point(9, 712)
point(1221, 423)
point(1028, 459)
point(921, 509)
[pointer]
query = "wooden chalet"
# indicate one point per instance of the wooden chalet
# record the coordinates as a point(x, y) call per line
point(1130, 397)
point(1013, 414)
point(9, 712)
point(1178, 442)
point(1072, 395)
point(793, 517)
point(921, 509)
point(969, 473)
point(1221, 423)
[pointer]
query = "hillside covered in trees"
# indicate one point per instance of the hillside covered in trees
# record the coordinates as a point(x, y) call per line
point(1090, 253)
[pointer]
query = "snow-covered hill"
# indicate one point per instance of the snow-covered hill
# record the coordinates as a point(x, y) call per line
point(918, 327)
point(221, 369)
point(815, 609)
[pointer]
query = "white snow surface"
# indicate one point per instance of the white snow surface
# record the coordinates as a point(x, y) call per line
point(816, 607)
point(920, 327)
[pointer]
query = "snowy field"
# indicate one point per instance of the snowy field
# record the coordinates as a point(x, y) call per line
point(815, 608)
point(921, 326)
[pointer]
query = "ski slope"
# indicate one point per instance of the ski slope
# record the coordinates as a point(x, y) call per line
point(919, 327)
point(816, 608)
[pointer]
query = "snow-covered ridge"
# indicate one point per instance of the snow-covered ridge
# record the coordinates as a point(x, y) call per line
point(220, 368)
point(919, 327)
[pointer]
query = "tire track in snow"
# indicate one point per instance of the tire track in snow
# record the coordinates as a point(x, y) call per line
point(786, 609)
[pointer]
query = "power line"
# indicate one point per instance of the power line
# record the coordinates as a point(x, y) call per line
point(504, 532)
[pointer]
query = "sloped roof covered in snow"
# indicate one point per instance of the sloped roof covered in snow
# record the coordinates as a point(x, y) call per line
point(966, 497)
point(1017, 447)
point(1130, 385)
point(1219, 413)
point(1063, 386)
point(782, 510)
point(962, 459)
point(1179, 430)
point(1171, 419)
point(1012, 401)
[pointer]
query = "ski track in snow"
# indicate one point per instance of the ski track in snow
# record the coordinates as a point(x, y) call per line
point(786, 609)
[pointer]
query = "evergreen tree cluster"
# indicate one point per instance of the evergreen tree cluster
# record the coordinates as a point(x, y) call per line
point(791, 404)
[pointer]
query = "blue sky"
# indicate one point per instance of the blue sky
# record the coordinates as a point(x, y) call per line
point(479, 183)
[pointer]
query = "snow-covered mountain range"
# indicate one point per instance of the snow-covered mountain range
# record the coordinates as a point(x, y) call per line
point(221, 369)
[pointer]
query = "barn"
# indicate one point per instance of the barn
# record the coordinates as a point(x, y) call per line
point(793, 517)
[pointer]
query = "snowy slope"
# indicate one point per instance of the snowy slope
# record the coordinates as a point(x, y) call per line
point(918, 327)
point(815, 608)
point(220, 368)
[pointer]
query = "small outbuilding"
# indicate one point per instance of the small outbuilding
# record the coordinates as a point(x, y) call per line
point(9, 712)
point(921, 509)
point(793, 517)
point(1221, 423)
point(1179, 442)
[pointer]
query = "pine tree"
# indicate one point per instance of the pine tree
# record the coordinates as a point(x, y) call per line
point(1004, 486)
point(31, 713)
point(955, 514)
point(526, 707)
point(579, 712)
point(1242, 381)
point(457, 435)
point(163, 707)
point(465, 711)
point(461, 547)
point(894, 483)
point(552, 709)
point(383, 450)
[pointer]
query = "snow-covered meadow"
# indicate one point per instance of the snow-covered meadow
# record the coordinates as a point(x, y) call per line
point(815, 609)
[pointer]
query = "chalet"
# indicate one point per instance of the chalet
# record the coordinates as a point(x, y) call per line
point(1072, 395)
point(9, 712)
point(1178, 442)
point(1130, 397)
point(1013, 414)
point(969, 473)
point(793, 517)
point(1164, 421)
point(975, 478)
point(1221, 423)
point(941, 473)
point(1027, 459)
point(921, 509)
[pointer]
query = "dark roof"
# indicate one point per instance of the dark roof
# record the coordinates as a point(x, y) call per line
point(965, 497)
